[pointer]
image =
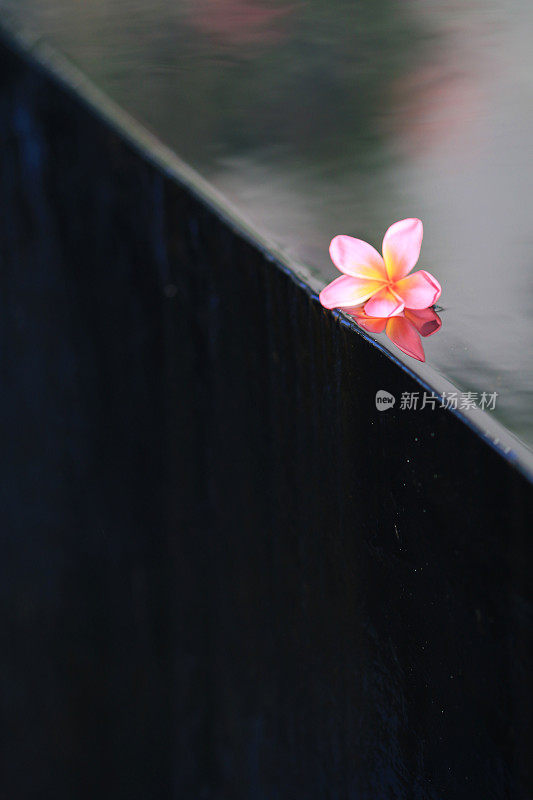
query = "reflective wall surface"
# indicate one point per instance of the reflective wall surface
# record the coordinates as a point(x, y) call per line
point(321, 117)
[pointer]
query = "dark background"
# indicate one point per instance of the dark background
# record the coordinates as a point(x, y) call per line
point(224, 574)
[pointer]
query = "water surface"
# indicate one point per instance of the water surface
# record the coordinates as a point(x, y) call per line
point(318, 117)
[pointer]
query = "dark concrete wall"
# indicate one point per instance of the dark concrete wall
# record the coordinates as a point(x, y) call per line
point(223, 574)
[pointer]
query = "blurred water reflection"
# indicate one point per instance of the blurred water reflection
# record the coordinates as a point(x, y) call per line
point(319, 117)
point(405, 330)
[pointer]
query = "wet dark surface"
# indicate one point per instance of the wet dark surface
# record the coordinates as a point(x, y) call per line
point(318, 117)
point(224, 574)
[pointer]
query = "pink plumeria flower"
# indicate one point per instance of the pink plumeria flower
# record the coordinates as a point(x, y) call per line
point(383, 284)
point(403, 329)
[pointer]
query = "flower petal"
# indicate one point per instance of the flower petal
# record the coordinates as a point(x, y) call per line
point(384, 304)
point(357, 258)
point(426, 320)
point(403, 335)
point(371, 324)
point(401, 247)
point(419, 290)
point(348, 291)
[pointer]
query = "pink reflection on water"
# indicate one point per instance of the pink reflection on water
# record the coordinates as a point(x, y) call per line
point(239, 22)
point(404, 330)
point(439, 104)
